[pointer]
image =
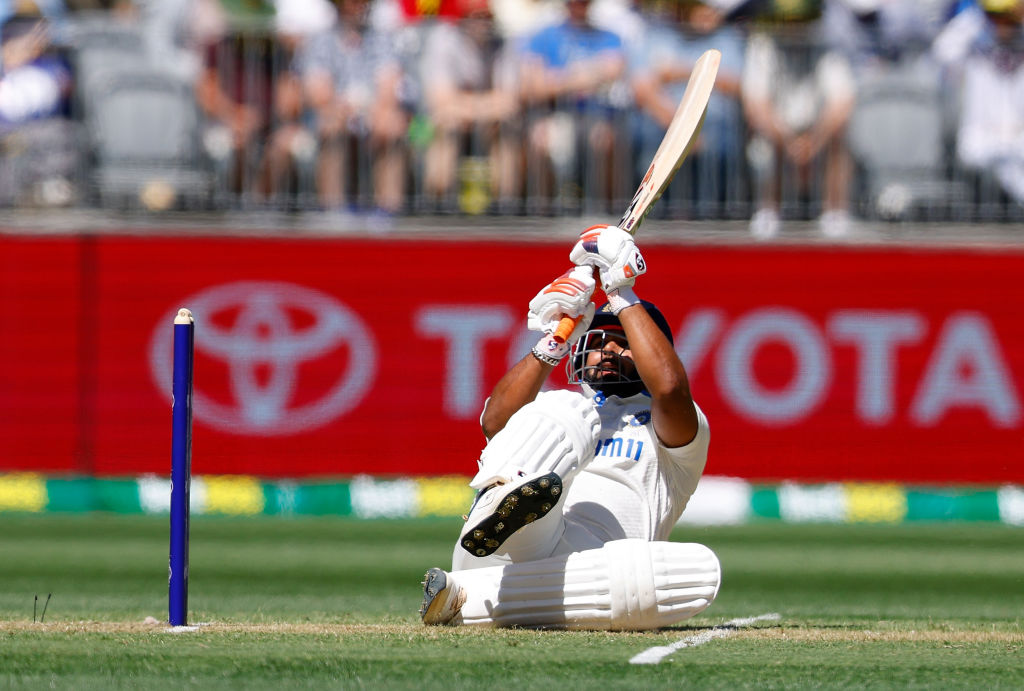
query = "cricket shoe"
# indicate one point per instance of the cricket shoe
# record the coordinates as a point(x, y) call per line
point(442, 598)
point(501, 510)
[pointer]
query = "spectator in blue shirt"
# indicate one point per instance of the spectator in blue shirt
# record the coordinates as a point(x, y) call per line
point(660, 60)
point(573, 81)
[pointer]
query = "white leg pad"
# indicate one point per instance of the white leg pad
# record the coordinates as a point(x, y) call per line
point(557, 432)
point(625, 585)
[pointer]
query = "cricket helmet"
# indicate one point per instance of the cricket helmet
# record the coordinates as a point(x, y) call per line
point(604, 327)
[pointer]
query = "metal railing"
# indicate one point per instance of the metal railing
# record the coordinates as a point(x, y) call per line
point(715, 183)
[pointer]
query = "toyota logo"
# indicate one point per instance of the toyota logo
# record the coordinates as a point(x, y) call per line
point(262, 340)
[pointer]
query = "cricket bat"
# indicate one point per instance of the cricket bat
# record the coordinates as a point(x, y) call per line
point(679, 139)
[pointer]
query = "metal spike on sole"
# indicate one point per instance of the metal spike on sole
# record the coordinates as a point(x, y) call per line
point(434, 582)
point(525, 504)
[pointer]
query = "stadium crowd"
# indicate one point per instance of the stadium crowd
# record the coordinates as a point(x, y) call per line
point(824, 110)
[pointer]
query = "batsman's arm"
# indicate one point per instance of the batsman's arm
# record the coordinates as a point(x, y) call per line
point(614, 254)
point(672, 410)
point(519, 386)
point(569, 294)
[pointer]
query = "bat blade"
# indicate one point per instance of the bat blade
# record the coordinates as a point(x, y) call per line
point(679, 139)
point(675, 146)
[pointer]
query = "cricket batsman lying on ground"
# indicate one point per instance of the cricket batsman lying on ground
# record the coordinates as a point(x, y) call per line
point(578, 492)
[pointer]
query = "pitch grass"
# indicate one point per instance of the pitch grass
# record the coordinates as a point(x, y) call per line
point(332, 604)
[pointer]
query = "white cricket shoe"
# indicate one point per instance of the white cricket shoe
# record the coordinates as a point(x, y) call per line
point(835, 223)
point(442, 598)
point(765, 223)
point(502, 509)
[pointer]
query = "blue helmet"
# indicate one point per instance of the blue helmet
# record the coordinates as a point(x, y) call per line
point(603, 318)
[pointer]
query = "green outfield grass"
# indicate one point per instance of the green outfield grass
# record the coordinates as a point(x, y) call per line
point(332, 603)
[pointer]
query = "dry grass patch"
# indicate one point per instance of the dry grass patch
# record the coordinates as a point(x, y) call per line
point(850, 635)
point(943, 633)
point(208, 627)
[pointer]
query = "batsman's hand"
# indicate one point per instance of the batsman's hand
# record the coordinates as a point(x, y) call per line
point(568, 295)
point(613, 252)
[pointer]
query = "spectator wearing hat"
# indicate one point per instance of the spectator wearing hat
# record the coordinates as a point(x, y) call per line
point(798, 97)
point(990, 136)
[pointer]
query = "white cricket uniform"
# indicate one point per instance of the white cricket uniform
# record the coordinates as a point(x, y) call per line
point(633, 487)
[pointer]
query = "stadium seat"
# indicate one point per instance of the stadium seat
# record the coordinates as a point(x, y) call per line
point(143, 131)
point(897, 136)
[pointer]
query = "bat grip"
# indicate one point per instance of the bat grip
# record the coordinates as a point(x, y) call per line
point(565, 328)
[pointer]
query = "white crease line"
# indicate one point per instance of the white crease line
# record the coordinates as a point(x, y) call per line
point(653, 656)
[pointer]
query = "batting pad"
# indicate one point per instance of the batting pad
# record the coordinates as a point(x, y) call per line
point(626, 585)
point(557, 432)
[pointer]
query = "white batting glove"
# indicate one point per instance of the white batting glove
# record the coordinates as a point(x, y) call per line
point(613, 252)
point(551, 350)
point(569, 295)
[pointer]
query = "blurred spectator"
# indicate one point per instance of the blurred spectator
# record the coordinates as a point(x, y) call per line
point(354, 83)
point(286, 166)
point(573, 78)
point(900, 126)
point(797, 98)
point(40, 154)
point(470, 94)
point(235, 88)
point(53, 11)
point(674, 36)
point(966, 26)
point(295, 20)
point(166, 29)
point(518, 20)
point(991, 133)
point(871, 33)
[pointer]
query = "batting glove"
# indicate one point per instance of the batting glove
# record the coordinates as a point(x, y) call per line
point(613, 252)
point(569, 295)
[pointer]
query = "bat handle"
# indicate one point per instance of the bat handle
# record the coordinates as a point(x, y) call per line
point(564, 328)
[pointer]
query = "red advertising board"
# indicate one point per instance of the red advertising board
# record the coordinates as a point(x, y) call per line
point(342, 356)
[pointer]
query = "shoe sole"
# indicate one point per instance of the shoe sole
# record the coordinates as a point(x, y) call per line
point(522, 506)
point(434, 583)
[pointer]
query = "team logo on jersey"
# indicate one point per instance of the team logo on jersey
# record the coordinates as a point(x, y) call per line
point(272, 358)
point(640, 419)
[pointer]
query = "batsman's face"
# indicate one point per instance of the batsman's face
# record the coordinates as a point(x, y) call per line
point(609, 359)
